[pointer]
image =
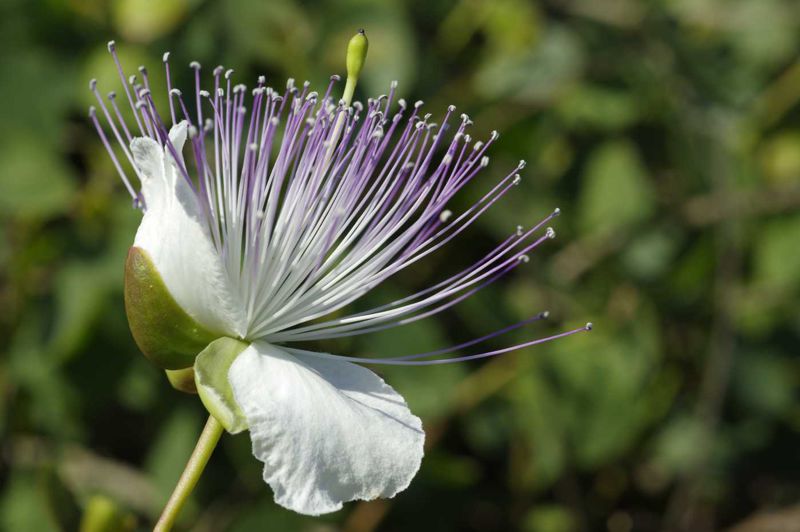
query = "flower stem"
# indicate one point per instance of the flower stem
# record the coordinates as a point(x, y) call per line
point(191, 474)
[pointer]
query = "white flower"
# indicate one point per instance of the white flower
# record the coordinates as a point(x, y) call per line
point(286, 211)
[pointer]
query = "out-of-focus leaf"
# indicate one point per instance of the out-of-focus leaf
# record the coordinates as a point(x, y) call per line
point(652, 254)
point(690, 275)
point(451, 471)
point(536, 74)
point(763, 32)
point(488, 427)
point(623, 361)
point(556, 157)
point(278, 32)
point(551, 518)
point(679, 446)
point(509, 25)
point(539, 417)
point(780, 157)
point(617, 191)
point(5, 250)
point(170, 451)
point(102, 514)
point(41, 88)
point(35, 183)
point(81, 290)
point(24, 506)
point(572, 398)
point(264, 513)
point(600, 107)
point(765, 383)
point(138, 388)
point(5, 385)
point(52, 400)
point(777, 262)
point(145, 20)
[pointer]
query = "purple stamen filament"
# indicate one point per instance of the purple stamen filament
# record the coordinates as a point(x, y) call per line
point(407, 360)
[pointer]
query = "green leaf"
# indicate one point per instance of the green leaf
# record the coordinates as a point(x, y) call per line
point(551, 518)
point(24, 506)
point(535, 74)
point(765, 384)
point(102, 514)
point(167, 455)
point(144, 21)
point(34, 182)
point(777, 262)
point(780, 157)
point(680, 444)
point(651, 254)
point(211, 377)
point(616, 190)
point(451, 470)
point(598, 106)
point(539, 415)
point(81, 291)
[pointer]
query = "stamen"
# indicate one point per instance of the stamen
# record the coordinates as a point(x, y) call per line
point(113, 50)
point(104, 139)
point(541, 316)
point(405, 362)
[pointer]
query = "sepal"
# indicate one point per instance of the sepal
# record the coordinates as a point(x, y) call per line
point(164, 332)
point(182, 379)
point(211, 378)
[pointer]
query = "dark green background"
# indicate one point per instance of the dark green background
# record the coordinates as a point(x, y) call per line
point(667, 131)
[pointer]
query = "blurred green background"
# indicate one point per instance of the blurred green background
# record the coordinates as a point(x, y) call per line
point(668, 132)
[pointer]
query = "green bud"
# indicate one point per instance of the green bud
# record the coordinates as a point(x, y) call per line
point(211, 377)
point(164, 332)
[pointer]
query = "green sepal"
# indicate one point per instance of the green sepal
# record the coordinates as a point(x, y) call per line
point(164, 332)
point(182, 379)
point(211, 378)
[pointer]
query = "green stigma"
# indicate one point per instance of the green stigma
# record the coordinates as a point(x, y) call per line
point(356, 57)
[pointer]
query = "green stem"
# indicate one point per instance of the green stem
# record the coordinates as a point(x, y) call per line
point(191, 474)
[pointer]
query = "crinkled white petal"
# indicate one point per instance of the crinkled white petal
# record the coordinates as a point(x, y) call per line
point(328, 431)
point(175, 235)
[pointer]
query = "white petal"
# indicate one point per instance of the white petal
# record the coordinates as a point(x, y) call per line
point(175, 235)
point(328, 431)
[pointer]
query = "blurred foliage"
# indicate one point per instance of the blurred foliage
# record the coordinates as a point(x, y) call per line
point(667, 131)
